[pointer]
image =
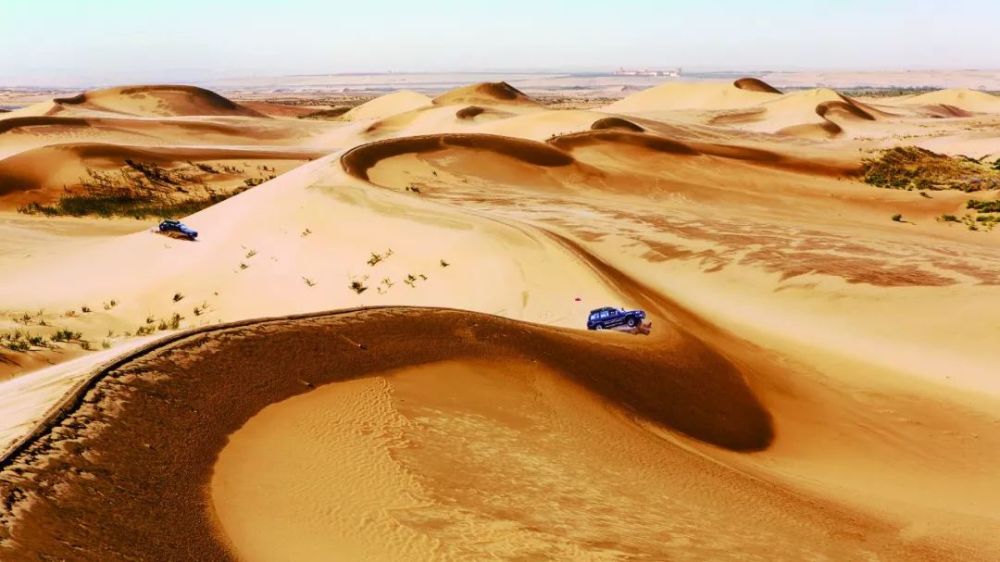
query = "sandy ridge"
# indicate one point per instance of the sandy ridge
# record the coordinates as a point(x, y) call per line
point(73, 398)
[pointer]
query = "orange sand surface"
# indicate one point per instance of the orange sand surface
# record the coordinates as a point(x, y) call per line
point(820, 380)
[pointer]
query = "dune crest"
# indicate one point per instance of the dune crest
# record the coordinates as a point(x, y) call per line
point(156, 101)
point(755, 85)
point(359, 160)
point(964, 99)
point(485, 93)
point(388, 105)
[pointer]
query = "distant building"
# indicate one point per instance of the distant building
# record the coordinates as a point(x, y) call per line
point(647, 72)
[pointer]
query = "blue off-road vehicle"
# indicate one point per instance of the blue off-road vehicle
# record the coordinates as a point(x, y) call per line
point(608, 317)
point(172, 227)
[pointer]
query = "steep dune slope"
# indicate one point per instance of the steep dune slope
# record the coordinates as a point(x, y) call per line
point(413, 436)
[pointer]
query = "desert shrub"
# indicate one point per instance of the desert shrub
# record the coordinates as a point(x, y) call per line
point(175, 321)
point(897, 217)
point(358, 286)
point(84, 345)
point(64, 335)
point(17, 345)
point(178, 297)
point(948, 218)
point(910, 167)
point(309, 281)
point(984, 206)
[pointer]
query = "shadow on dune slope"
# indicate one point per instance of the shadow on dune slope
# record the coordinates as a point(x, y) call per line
point(359, 160)
point(755, 85)
point(144, 433)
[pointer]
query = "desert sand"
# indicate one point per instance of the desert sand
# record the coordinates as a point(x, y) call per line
point(375, 348)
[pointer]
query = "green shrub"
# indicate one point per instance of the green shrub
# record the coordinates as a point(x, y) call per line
point(910, 167)
point(64, 335)
point(984, 206)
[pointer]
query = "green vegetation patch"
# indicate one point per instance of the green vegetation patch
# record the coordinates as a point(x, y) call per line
point(124, 205)
point(910, 167)
point(984, 206)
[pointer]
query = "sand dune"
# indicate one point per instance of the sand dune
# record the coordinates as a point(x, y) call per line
point(388, 105)
point(819, 381)
point(678, 95)
point(359, 160)
point(616, 123)
point(154, 101)
point(755, 85)
point(539, 408)
point(967, 100)
point(485, 93)
point(42, 175)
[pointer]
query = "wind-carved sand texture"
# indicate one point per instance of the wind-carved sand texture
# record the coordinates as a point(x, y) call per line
point(375, 348)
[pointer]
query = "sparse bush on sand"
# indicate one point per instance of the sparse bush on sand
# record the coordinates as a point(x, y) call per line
point(178, 297)
point(897, 217)
point(64, 335)
point(911, 167)
point(358, 286)
point(375, 258)
point(141, 190)
point(984, 206)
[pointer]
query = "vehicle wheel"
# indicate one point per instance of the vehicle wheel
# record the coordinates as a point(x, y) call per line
point(599, 327)
point(631, 322)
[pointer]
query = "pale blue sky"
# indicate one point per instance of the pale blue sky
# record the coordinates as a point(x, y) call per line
point(133, 41)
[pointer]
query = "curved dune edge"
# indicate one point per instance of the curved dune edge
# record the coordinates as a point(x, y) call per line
point(483, 458)
point(143, 432)
point(756, 85)
point(360, 159)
